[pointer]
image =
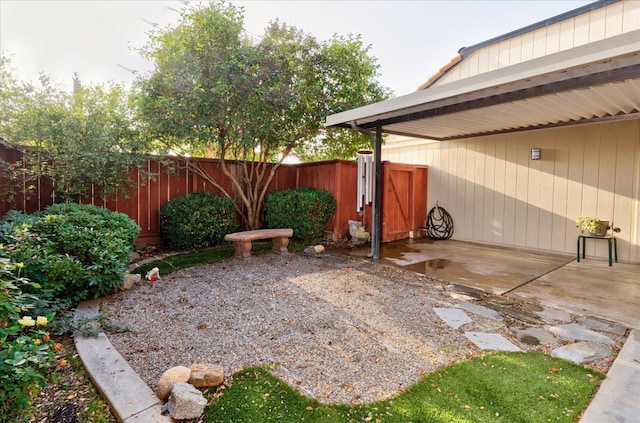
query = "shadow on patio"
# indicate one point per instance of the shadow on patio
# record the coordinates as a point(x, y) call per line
point(590, 287)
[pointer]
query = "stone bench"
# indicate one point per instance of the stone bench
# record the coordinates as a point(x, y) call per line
point(242, 240)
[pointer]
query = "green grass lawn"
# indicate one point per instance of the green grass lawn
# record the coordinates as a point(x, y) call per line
point(183, 260)
point(498, 387)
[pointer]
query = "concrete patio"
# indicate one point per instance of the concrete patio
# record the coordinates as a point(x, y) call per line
point(590, 287)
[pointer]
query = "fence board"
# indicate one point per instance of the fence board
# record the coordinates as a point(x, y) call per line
point(169, 180)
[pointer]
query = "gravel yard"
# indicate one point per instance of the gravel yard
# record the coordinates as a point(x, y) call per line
point(340, 329)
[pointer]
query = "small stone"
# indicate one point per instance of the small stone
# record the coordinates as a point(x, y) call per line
point(315, 249)
point(170, 378)
point(130, 280)
point(205, 375)
point(185, 402)
point(133, 256)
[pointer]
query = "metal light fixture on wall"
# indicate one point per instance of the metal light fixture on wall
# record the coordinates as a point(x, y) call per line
point(536, 153)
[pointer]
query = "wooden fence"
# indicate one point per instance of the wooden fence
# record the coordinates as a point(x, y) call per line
point(169, 181)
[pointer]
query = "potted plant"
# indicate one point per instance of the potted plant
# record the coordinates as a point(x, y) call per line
point(594, 226)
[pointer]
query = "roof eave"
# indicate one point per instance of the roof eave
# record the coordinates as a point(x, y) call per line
point(609, 48)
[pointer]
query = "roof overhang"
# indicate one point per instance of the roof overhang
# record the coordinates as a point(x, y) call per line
point(589, 83)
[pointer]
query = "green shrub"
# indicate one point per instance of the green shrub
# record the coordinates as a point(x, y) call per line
point(25, 346)
point(74, 251)
point(197, 220)
point(305, 210)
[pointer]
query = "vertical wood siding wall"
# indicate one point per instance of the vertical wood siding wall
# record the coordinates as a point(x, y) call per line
point(609, 21)
point(497, 194)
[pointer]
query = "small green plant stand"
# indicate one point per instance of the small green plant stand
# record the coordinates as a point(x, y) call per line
point(610, 239)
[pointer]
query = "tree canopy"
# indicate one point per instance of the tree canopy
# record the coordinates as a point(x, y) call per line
point(220, 92)
point(80, 140)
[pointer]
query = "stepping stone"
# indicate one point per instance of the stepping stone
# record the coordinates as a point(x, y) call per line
point(453, 317)
point(481, 311)
point(550, 314)
point(491, 341)
point(603, 325)
point(580, 333)
point(582, 352)
point(533, 336)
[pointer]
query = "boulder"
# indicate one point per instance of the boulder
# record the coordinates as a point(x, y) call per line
point(169, 378)
point(206, 375)
point(185, 402)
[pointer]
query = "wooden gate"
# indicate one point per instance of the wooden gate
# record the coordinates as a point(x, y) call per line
point(404, 200)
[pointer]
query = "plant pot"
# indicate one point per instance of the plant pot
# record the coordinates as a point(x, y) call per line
point(602, 230)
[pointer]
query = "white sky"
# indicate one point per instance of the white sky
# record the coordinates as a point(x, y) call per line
point(410, 39)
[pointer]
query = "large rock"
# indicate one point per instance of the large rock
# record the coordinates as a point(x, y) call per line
point(169, 378)
point(206, 375)
point(185, 402)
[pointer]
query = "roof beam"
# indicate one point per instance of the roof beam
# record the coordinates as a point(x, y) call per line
point(551, 125)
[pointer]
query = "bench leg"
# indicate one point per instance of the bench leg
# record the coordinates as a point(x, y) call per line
point(280, 245)
point(243, 249)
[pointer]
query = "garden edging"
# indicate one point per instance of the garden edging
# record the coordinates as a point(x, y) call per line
point(129, 397)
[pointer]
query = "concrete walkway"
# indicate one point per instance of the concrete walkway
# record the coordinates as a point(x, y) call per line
point(617, 398)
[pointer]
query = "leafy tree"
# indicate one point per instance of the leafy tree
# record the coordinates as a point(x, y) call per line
point(219, 92)
point(80, 140)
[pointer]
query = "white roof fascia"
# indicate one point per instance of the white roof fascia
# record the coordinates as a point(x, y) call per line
point(608, 48)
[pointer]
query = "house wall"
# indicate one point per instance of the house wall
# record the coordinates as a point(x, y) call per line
point(609, 21)
point(496, 194)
